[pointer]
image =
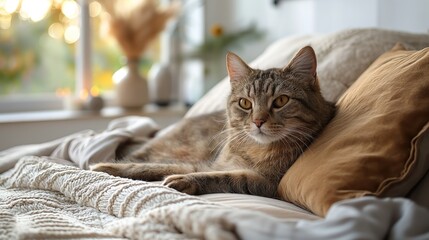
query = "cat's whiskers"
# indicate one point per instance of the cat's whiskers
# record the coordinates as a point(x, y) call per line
point(242, 139)
point(298, 136)
point(232, 135)
point(224, 132)
point(218, 147)
point(297, 149)
point(301, 136)
point(301, 143)
point(308, 133)
point(239, 138)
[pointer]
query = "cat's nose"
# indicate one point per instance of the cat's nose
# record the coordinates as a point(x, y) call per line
point(258, 122)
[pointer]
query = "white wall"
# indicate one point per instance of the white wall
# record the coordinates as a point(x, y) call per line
point(409, 15)
point(334, 15)
point(293, 17)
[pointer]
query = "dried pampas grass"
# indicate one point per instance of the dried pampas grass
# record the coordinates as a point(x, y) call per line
point(135, 23)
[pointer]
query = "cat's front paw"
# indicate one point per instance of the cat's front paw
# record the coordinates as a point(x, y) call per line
point(109, 168)
point(182, 183)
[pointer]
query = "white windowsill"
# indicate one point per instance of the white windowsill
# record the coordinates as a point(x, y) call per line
point(17, 103)
point(42, 126)
point(106, 113)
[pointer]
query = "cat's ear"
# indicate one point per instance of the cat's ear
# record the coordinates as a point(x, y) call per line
point(304, 62)
point(237, 68)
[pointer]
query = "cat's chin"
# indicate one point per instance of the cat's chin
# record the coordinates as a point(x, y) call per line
point(262, 138)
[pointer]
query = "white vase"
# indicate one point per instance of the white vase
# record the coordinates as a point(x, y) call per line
point(164, 76)
point(130, 86)
point(160, 84)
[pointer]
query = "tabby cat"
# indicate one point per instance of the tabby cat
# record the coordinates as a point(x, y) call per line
point(272, 116)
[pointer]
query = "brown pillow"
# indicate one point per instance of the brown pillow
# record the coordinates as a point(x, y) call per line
point(370, 147)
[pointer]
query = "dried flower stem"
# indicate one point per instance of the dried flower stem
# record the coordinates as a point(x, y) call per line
point(135, 23)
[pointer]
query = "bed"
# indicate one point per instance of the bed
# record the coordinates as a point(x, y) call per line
point(365, 177)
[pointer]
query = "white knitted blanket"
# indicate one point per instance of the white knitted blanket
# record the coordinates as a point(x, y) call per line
point(40, 199)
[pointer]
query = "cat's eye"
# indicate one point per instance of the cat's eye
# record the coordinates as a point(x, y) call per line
point(280, 101)
point(245, 104)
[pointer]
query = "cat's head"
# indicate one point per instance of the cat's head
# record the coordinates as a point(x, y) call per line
point(279, 103)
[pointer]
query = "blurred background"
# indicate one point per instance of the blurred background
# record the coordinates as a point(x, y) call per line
point(38, 41)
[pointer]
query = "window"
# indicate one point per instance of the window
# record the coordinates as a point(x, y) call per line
point(37, 53)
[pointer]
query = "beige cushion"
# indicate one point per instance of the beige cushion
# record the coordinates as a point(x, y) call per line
point(341, 57)
point(371, 146)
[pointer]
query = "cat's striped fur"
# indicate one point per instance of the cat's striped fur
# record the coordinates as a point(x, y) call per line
point(272, 116)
